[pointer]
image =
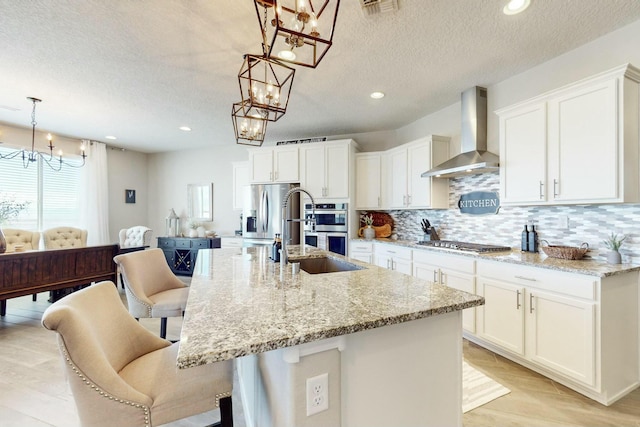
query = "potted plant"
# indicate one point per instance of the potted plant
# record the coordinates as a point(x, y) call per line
point(193, 228)
point(368, 232)
point(613, 242)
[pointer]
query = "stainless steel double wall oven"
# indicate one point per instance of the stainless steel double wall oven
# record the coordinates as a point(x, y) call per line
point(330, 230)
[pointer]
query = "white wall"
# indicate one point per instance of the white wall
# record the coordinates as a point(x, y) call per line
point(127, 171)
point(169, 173)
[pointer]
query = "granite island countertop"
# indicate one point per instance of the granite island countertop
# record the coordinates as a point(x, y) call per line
point(240, 304)
point(588, 266)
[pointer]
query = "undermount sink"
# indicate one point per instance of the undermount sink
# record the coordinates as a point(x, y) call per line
point(326, 265)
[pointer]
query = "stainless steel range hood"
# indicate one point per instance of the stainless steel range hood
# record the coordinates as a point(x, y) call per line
point(474, 157)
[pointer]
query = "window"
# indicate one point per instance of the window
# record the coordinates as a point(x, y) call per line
point(52, 197)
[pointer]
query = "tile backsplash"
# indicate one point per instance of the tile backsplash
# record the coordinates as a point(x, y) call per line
point(587, 223)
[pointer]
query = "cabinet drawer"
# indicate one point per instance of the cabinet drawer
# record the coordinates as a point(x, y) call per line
point(166, 243)
point(393, 251)
point(577, 285)
point(183, 243)
point(450, 262)
point(361, 246)
point(200, 244)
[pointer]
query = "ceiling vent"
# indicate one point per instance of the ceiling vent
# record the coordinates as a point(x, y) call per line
point(375, 7)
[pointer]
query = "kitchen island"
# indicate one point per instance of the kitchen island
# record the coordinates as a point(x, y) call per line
point(390, 344)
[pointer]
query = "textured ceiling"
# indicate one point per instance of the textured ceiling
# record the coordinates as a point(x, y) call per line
point(140, 69)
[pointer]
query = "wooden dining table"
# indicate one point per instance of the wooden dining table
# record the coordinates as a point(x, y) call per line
point(31, 272)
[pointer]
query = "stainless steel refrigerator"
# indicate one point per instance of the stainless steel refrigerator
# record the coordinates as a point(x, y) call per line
point(262, 214)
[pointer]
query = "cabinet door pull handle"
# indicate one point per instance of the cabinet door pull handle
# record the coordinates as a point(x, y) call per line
point(435, 276)
point(526, 278)
point(378, 202)
point(518, 300)
point(270, 176)
point(404, 200)
point(555, 188)
point(393, 265)
point(541, 194)
point(531, 303)
point(408, 200)
point(388, 267)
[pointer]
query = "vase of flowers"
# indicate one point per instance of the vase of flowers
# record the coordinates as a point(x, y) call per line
point(613, 242)
point(368, 232)
point(10, 208)
point(193, 228)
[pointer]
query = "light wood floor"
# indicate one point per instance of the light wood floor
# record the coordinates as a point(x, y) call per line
point(33, 392)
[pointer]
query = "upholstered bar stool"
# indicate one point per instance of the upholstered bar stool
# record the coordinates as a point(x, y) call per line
point(121, 374)
point(151, 287)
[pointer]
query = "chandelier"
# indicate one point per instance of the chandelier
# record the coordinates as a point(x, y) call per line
point(249, 124)
point(297, 31)
point(265, 86)
point(29, 157)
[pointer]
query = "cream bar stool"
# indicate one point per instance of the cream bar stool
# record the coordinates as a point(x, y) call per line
point(151, 287)
point(121, 374)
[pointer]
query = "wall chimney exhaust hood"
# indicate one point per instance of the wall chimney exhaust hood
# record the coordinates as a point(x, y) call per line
point(474, 157)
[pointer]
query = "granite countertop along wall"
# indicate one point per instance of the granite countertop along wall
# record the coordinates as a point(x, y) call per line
point(586, 266)
point(239, 303)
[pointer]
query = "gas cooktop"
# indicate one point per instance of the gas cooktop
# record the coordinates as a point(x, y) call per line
point(464, 246)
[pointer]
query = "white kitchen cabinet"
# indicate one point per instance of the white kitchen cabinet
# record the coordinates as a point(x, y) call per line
point(577, 329)
point(561, 334)
point(393, 257)
point(369, 180)
point(326, 168)
point(361, 250)
point(274, 164)
point(501, 320)
point(407, 189)
point(523, 154)
point(450, 270)
point(230, 242)
point(240, 181)
point(577, 144)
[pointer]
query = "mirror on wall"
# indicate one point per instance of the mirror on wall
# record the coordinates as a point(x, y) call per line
point(200, 202)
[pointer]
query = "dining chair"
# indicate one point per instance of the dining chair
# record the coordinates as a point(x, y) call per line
point(21, 240)
point(121, 374)
point(63, 238)
point(152, 290)
point(136, 236)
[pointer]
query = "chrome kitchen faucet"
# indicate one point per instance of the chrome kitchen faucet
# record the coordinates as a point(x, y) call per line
point(284, 258)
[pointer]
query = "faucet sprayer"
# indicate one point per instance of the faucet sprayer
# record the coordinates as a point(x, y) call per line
point(284, 258)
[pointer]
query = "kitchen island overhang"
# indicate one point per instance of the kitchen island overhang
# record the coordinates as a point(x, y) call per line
point(402, 329)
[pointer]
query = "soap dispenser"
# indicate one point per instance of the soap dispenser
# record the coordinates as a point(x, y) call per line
point(533, 239)
point(524, 246)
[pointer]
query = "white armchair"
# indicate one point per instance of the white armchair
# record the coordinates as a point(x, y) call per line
point(135, 236)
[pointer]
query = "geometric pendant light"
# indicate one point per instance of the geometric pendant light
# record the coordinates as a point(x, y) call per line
point(265, 86)
point(297, 31)
point(249, 124)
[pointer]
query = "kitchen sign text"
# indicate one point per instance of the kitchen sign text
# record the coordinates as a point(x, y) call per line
point(479, 203)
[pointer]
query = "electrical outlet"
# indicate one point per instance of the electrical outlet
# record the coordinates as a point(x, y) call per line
point(317, 394)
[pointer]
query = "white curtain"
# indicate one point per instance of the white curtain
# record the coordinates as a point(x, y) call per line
point(94, 194)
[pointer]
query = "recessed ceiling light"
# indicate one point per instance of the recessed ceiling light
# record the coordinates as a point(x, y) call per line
point(377, 95)
point(110, 137)
point(516, 6)
point(185, 128)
